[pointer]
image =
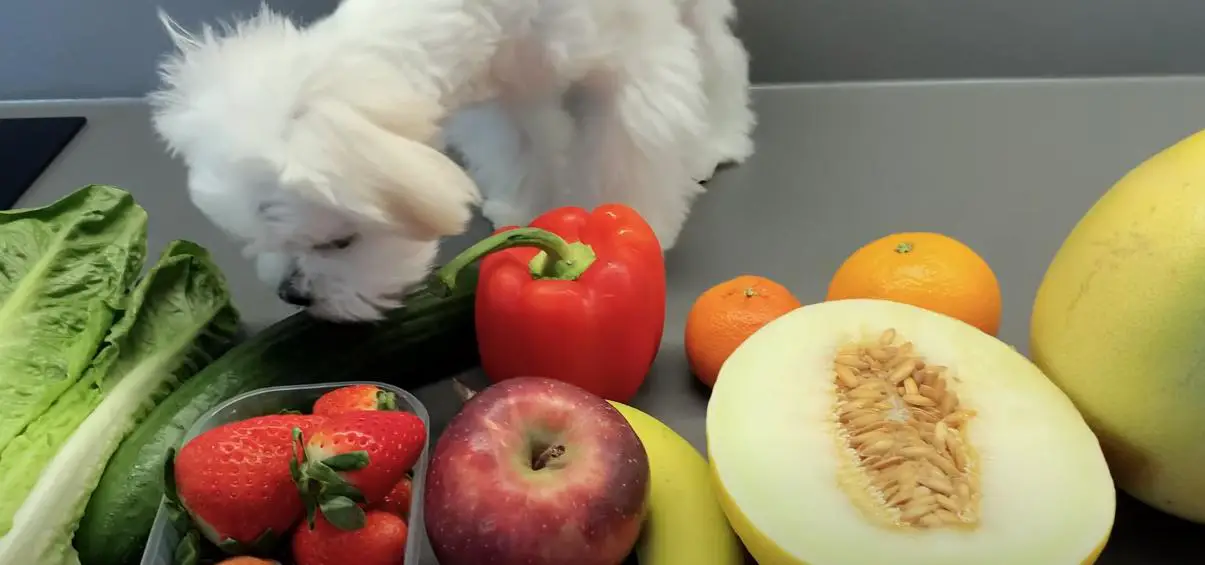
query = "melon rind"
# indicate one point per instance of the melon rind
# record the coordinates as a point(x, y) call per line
point(1117, 324)
point(1048, 497)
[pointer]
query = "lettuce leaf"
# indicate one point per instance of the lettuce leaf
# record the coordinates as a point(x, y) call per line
point(65, 269)
point(179, 319)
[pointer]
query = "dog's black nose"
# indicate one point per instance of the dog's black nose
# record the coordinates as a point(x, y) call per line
point(289, 293)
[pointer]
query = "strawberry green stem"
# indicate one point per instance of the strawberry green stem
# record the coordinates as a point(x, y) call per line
point(558, 259)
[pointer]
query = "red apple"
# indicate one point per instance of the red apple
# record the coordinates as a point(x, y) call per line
point(535, 471)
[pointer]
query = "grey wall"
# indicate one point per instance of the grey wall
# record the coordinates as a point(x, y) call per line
point(95, 48)
point(101, 48)
point(838, 40)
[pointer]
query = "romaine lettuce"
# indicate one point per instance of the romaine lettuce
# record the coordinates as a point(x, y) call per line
point(178, 319)
point(65, 269)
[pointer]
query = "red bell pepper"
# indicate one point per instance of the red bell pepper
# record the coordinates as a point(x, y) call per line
point(576, 296)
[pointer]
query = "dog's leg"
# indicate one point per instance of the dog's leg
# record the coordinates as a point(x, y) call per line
point(639, 126)
point(725, 65)
point(492, 148)
point(515, 153)
point(548, 130)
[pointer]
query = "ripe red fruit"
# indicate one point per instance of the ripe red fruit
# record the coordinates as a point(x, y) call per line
point(354, 459)
point(381, 541)
point(397, 502)
point(234, 480)
point(354, 398)
point(247, 560)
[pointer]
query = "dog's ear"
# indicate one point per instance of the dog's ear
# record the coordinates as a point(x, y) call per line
point(380, 169)
point(425, 188)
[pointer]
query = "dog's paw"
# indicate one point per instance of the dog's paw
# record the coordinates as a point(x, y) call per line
point(500, 213)
point(733, 150)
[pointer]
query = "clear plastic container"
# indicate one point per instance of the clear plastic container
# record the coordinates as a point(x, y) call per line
point(163, 539)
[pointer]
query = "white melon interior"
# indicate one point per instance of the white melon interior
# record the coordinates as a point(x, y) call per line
point(1048, 498)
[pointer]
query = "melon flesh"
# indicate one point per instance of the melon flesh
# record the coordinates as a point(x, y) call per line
point(797, 491)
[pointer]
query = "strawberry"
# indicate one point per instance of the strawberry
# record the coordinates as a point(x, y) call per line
point(234, 481)
point(354, 398)
point(381, 541)
point(353, 459)
point(397, 502)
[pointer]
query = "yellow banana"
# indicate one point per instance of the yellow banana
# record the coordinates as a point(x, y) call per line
point(685, 524)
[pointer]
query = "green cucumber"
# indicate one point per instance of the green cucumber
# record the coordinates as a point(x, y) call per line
point(431, 338)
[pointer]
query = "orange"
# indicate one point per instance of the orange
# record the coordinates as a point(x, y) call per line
point(929, 270)
point(728, 313)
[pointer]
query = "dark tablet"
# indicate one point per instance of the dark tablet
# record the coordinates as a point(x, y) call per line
point(27, 147)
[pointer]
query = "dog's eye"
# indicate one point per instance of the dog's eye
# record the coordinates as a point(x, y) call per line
point(336, 244)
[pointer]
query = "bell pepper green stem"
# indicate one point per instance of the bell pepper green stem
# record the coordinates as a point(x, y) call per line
point(558, 259)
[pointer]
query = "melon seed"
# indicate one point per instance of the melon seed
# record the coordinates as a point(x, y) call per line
point(904, 432)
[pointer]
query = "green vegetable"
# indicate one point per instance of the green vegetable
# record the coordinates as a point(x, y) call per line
point(430, 338)
point(65, 269)
point(179, 317)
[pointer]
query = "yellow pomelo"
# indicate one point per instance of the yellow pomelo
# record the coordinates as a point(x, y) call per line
point(870, 432)
point(1119, 325)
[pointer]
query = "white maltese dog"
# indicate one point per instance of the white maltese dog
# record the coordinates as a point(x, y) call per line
point(322, 147)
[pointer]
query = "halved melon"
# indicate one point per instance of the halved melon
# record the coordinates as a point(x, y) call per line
point(867, 432)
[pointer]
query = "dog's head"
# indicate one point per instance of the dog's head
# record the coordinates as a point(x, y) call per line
point(317, 156)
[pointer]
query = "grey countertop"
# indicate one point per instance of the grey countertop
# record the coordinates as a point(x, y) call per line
point(1006, 166)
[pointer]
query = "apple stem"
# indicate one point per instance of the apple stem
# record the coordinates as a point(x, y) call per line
point(546, 456)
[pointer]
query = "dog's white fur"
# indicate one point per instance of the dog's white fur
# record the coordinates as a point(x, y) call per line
point(295, 138)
